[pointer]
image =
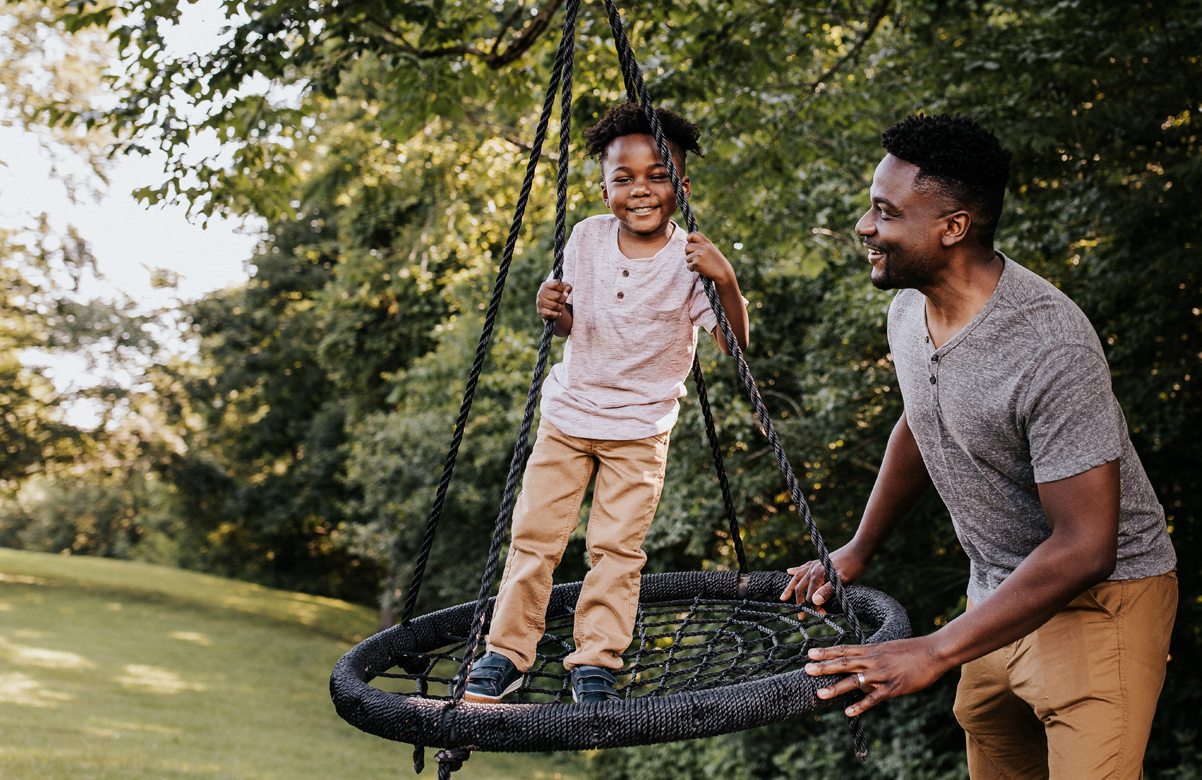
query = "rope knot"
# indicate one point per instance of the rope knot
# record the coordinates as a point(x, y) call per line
point(451, 760)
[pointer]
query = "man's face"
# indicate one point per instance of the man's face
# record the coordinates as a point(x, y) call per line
point(636, 186)
point(903, 229)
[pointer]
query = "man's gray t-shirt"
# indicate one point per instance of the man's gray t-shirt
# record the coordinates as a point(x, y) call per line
point(1021, 395)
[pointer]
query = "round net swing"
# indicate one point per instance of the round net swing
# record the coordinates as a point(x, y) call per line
point(712, 653)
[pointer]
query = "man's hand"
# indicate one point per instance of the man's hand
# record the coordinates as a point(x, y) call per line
point(890, 669)
point(809, 584)
point(552, 305)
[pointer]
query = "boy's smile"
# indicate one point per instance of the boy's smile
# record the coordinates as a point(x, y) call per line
point(639, 192)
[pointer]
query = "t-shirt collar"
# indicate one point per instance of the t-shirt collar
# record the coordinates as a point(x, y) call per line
point(989, 306)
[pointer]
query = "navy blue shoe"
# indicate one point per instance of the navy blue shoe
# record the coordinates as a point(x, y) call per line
point(592, 684)
point(491, 679)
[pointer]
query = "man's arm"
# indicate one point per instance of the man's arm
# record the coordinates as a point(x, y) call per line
point(706, 259)
point(1083, 512)
point(900, 483)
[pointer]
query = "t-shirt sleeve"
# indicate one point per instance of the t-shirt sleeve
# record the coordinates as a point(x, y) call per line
point(569, 262)
point(700, 311)
point(1072, 419)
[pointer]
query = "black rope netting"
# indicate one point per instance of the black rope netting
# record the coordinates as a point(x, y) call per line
point(703, 662)
point(716, 649)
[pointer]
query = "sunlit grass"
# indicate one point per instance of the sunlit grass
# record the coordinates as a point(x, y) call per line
point(121, 671)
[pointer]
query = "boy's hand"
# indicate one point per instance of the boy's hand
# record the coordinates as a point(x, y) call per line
point(703, 257)
point(553, 299)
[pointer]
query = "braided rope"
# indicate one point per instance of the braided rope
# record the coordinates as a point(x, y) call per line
point(634, 76)
point(712, 434)
point(706, 660)
point(567, 50)
point(697, 376)
point(494, 306)
point(562, 76)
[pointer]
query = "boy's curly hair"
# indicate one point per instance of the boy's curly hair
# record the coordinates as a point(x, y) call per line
point(628, 119)
point(957, 158)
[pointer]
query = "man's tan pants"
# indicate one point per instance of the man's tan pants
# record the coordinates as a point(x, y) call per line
point(629, 479)
point(1073, 700)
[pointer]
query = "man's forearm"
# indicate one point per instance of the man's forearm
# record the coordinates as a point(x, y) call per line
point(1080, 553)
point(901, 482)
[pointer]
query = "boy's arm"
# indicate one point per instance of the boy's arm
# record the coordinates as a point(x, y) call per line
point(706, 259)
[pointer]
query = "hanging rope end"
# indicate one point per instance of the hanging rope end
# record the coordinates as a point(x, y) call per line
point(419, 758)
point(858, 738)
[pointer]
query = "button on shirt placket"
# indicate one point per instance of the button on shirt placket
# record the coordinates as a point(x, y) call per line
point(934, 379)
point(621, 282)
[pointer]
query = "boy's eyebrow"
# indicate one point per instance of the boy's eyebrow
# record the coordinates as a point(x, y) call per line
point(626, 168)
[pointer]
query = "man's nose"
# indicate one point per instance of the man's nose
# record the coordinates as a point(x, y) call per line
point(866, 227)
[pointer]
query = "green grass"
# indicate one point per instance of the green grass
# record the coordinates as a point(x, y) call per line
point(113, 670)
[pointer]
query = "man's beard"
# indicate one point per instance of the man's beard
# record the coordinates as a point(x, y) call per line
point(901, 269)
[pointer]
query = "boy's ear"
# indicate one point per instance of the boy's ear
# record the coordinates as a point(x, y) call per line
point(604, 195)
point(688, 192)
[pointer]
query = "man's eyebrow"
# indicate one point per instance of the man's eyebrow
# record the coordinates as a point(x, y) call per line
point(886, 201)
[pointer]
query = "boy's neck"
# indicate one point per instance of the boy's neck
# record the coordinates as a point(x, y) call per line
point(640, 246)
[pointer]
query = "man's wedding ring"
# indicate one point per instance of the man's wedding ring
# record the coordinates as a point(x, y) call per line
point(860, 677)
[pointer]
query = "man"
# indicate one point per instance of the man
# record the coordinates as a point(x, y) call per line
point(1009, 412)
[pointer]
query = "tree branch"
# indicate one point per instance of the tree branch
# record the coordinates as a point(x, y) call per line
point(494, 59)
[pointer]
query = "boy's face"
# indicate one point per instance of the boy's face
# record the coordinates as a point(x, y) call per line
point(636, 187)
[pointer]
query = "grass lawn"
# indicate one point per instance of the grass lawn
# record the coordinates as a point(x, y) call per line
point(113, 670)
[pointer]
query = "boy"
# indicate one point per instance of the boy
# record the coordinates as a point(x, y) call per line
point(630, 302)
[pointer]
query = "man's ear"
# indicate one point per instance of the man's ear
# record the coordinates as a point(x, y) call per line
point(955, 227)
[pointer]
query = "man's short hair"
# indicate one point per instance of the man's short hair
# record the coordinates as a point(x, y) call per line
point(629, 119)
point(958, 158)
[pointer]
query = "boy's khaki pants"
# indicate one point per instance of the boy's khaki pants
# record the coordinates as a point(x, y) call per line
point(629, 479)
point(1074, 699)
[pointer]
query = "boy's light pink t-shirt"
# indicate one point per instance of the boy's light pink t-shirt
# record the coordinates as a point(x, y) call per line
point(634, 330)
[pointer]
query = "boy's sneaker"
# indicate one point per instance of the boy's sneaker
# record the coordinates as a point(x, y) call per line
point(592, 684)
point(491, 678)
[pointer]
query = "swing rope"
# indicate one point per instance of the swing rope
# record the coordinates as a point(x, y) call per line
point(561, 81)
point(637, 89)
point(494, 306)
point(567, 49)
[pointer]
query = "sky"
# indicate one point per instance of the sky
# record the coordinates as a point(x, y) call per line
point(128, 239)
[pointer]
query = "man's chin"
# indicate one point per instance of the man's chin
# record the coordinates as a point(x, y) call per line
point(881, 281)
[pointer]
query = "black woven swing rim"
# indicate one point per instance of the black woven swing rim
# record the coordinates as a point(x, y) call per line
point(638, 721)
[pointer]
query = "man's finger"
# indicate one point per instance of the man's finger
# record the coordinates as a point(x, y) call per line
point(822, 594)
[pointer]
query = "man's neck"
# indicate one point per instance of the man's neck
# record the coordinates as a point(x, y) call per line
point(961, 292)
